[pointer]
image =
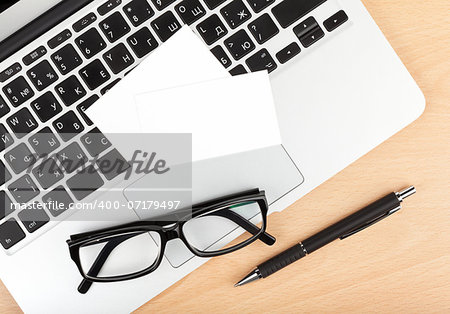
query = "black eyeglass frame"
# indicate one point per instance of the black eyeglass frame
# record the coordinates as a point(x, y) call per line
point(169, 230)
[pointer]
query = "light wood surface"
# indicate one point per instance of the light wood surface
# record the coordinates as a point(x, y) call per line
point(399, 265)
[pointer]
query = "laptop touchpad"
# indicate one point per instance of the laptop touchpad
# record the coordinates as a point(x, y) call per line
point(269, 169)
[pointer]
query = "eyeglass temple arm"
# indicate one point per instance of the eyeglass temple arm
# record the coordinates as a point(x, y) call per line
point(100, 261)
point(244, 223)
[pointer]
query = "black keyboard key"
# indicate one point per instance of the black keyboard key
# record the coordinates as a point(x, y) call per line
point(235, 13)
point(166, 25)
point(10, 233)
point(22, 122)
point(48, 173)
point(221, 55)
point(44, 142)
point(4, 108)
point(212, 29)
point(46, 106)
point(57, 201)
point(20, 158)
point(312, 37)
point(6, 205)
point(8, 73)
point(59, 39)
point(70, 90)
point(5, 175)
point(114, 27)
point(212, 4)
point(263, 28)
point(33, 217)
point(84, 22)
point(262, 60)
point(82, 107)
point(238, 70)
point(190, 11)
point(305, 27)
point(85, 182)
point(72, 157)
point(66, 59)
point(108, 6)
point(18, 91)
point(68, 126)
point(95, 142)
point(23, 189)
point(94, 74)
point(287, 53)
point(42, 75)
point(106, 89)
point(112, 164)
point(335, 21)
point(239, 44)
point(118, 58)
point(6, 139)
point(290, 11)
point(90, 43)
point(308, 32)
point(162, 4)
point(34, 55)
point(142, 42)
point(138, 11)
point(259, 5)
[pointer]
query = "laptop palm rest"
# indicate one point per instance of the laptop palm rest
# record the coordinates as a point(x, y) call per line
point(269, 169)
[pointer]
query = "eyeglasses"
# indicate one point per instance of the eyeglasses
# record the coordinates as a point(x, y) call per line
point(136, 249)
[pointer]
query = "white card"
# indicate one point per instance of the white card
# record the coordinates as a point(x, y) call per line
point(183, 59)
point(225, 116)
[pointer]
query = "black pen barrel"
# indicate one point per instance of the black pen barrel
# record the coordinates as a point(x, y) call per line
point(352, 222)
point(347, 226)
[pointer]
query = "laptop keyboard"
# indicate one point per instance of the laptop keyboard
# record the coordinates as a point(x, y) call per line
point(43, 99)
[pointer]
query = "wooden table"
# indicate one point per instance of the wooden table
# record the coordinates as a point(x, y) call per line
point(400, 265)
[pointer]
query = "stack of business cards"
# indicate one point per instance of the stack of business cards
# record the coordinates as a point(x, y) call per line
point(182, 88)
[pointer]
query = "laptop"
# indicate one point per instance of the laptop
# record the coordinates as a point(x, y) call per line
point(339, 88)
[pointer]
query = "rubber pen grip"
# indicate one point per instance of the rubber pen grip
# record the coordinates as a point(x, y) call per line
point(281, 260)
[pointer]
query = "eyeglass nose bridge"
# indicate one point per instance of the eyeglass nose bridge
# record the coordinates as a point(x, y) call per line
point(173, 233)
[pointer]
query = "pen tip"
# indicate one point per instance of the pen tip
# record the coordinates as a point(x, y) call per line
point(254, 275)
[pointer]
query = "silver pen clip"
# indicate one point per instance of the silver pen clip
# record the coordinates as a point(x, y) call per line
point(370, 223)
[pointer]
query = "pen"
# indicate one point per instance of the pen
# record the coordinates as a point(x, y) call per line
point(346, 227)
